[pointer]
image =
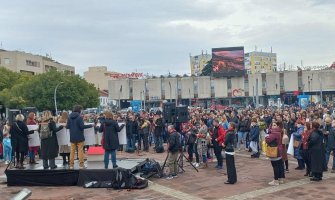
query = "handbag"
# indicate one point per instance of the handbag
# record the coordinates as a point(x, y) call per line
point(296, 143)
point(271, 152)
point(285, 139)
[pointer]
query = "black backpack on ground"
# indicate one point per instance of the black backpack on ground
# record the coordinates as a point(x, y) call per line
point(159, 149)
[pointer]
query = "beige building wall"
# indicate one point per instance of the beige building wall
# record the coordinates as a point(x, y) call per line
point(310, 80)
point(173, 93)
point(187, 87)
point(114, 89)
point(237, 87)
point(291, 81)
point(220, 87)
point(154, 88)
point(272, 84)
point(204, 87)
point(252, 84)
point(138, 89)
point(28, 63)
point(328, 80)
point(97, 76)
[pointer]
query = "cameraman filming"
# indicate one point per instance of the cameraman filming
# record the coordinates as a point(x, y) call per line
point(173, 149)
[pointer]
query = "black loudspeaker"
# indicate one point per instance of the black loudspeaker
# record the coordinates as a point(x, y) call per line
point(12, 115)
point(182, 114)
point(169, 112)
point(26, 111)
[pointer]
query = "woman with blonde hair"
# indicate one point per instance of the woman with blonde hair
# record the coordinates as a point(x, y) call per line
point(49, 143)
point(19, 138)
point(64, 150)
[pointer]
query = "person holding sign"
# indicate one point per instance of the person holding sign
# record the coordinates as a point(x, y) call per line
point(110, 140)
point(49, 144)
point(33, 150)
point(76, 125)
point(64, 150)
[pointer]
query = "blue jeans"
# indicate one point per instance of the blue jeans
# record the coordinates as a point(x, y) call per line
point(328, 156)
point(7, 153)
point(130, 143)
point(242, 136)
point(159, 141)
point(106, 158)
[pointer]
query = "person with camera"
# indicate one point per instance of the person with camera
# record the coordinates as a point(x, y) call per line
point(173, 150)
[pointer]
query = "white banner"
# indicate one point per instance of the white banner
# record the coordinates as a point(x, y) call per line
point(89, 135)
point(34, 139)
point(290, 149)
point(63, 136)
point(122, 135)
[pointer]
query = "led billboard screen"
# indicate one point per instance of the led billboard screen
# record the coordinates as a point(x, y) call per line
point(228, 61)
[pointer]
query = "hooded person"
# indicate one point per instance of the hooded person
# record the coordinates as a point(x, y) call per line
point(76, 125)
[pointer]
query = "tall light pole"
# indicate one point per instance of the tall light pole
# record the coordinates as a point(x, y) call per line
point(170, 92)
point(320, 81)
point(120, 97)
point(189, 95)
point(144, 97)
point(55, 96)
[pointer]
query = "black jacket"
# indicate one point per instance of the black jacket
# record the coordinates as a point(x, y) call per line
point(229, 141)
point(174, 142)
point(315, 145)
point(110, 129)
point(49, 146)
point(244, 125)
point(76, 125)
point(131, 128)
point(159, 127)
point(19, 136)
point(331, 139)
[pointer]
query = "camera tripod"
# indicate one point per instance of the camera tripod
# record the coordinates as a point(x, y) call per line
point(180, 162)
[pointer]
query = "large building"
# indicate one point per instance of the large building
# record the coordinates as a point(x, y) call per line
point(260, 62)
point(23, 62)
point(206, 91)
point(198, 62)
point(99, 76)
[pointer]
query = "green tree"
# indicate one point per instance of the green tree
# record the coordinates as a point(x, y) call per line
point(73, 90)
point(207, 70)
point(38, 91)
point(8, 78)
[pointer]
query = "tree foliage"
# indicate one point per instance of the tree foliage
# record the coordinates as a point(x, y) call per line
point(38, 91)
point(207, 70)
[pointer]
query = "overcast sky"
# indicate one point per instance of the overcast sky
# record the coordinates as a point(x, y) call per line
point(157, 36)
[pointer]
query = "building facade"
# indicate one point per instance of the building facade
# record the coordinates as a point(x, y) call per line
point(23, 62)
point(260, 62)
point(99, 76)
point(198, 62)
point(206, 91)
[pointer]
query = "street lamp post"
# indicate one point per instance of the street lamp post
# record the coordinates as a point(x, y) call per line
point(189, 95)
point(170, 92)
point(144, 98)
point(320, 82)
point(55, 96)
point(120, 97)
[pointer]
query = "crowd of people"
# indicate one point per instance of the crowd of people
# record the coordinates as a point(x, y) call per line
point(307, 134)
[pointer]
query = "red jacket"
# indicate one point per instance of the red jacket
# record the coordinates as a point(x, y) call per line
point(221, 135)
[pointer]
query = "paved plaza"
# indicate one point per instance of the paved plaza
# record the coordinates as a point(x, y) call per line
point(253, 176)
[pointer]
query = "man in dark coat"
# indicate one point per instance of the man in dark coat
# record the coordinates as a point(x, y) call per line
point(158, 132)
point(76, 125)
point(131, 132)
point(110, 129)
point(315, 145)
point(330, 147)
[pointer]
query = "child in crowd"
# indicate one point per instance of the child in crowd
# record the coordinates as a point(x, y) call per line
point(7, 148)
